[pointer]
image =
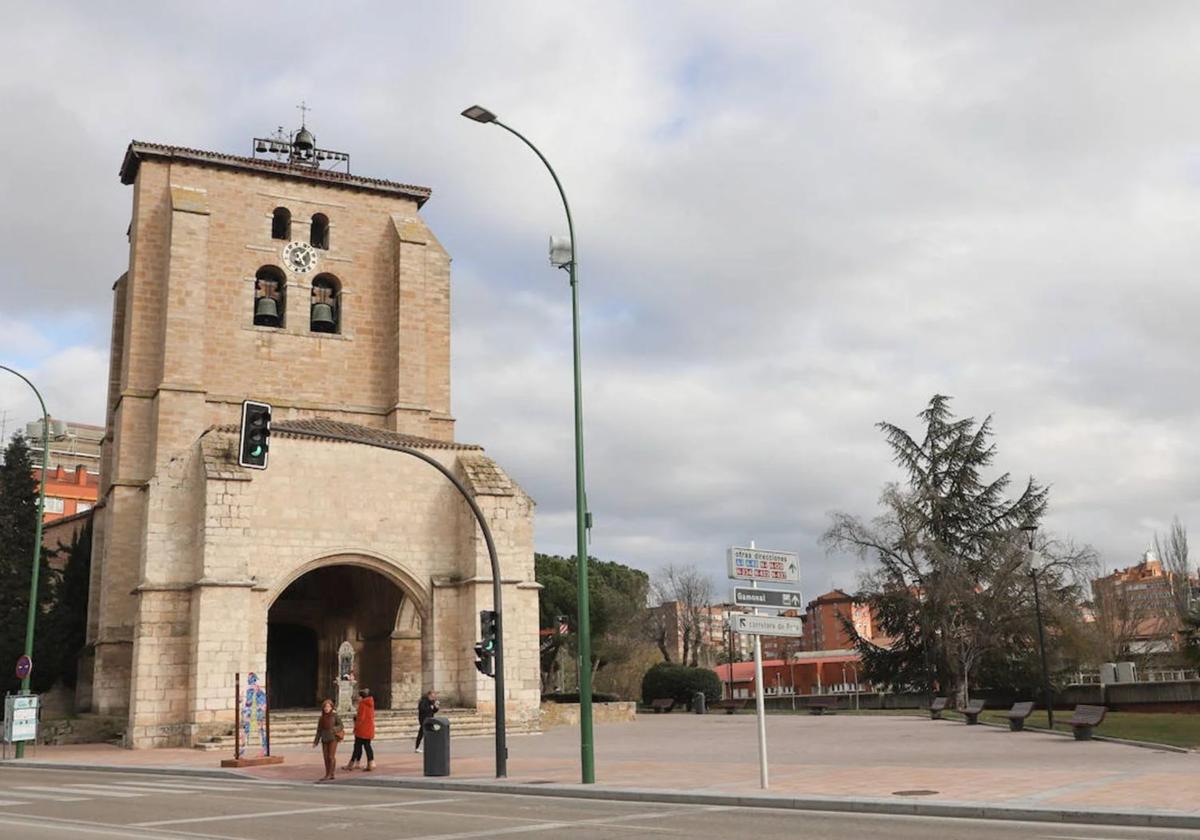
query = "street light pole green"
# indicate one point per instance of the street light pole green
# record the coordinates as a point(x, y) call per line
point(584, 628)
point(31, 618)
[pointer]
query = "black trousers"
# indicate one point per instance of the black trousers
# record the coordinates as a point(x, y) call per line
point(420, 730)
point(361, 744)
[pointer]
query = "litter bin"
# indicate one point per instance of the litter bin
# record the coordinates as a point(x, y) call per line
point(437, 746)
point(699, 704)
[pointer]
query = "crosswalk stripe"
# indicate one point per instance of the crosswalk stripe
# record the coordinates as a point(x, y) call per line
point(100, 790)
point(29, 794)
point(182, 788)
point(4, 802)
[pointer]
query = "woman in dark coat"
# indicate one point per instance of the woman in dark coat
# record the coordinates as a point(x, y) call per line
point(329, 732)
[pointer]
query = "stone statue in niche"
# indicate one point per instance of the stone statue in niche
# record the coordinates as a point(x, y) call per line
point(347, 682)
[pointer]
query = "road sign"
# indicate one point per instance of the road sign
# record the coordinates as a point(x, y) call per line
point(24, 666)
point(761, 565)
point(20, 717)
point(767, 625)
point(772, 599)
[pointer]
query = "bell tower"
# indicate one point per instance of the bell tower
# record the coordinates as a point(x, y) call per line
point(280, 276)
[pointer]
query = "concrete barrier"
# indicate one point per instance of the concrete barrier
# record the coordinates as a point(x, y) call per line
point(567, 714)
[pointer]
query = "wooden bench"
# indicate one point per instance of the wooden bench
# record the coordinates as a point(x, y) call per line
point(662, 705)
point(937, 707)
point(971, 711)
point(1017, 714)
point(731, 706)
point(1085, 719)
point(819, 707)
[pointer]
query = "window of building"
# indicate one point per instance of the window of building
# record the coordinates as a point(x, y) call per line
point(82, 507)
point(53, 505)
point(326, 305)
point(281, 223)
point(270, 297)
point(319, 232)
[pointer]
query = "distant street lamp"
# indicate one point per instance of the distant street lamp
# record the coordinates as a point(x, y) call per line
point(562, 255)
point(31, 616)
point(1031, 533)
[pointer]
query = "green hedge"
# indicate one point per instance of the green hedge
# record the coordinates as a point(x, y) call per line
point(679, 682)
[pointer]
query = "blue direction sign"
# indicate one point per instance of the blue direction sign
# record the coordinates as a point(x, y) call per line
point(777, 599)
point(24, 666)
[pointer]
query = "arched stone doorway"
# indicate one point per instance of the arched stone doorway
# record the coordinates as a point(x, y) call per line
point(332, 604)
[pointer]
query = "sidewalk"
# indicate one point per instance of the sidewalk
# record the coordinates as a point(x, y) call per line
point(910, 762)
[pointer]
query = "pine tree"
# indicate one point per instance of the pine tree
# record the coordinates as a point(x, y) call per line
point(948, 584)
point(18, 521)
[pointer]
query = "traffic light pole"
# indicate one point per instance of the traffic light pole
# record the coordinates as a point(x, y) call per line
point(501, 740)
point(31, 616)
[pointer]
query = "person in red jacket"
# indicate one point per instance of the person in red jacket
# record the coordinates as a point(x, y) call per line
point(364, 731)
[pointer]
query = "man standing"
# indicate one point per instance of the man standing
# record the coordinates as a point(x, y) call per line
point(427, 708)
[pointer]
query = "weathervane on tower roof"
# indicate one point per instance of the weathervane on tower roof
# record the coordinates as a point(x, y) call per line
point(299, 148)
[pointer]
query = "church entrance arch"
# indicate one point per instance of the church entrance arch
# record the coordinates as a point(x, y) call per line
point(334, 604)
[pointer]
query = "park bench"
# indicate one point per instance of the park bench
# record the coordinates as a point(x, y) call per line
point(665, 704)
point(937, 707)
point(819, 707)
point(1085, 719)
point(971, 711)
point(731, 706)
point(1017, 714)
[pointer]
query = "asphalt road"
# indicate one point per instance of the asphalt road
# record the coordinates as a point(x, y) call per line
point(77, 805)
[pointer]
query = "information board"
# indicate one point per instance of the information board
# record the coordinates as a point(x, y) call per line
point(20, 717)
point(763, 565)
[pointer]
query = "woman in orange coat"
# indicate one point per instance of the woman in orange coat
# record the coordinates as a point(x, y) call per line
point(364, 731)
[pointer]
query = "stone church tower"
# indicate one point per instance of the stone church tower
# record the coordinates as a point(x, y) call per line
point(277, 278)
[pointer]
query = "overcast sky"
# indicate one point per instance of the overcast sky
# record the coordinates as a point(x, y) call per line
point(794, 220)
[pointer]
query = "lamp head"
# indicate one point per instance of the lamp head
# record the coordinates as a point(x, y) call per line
point(479, 114)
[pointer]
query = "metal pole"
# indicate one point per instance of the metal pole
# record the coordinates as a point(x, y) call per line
point(237, 715)
point(582, 517)
point(31, 616)
point(1037, 604)
point(501, 739)
point(759, 703)
point(762, 712)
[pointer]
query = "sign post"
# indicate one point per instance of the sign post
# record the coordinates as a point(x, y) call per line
point(754, 565)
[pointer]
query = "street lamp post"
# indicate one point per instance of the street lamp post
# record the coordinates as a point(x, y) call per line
point(582, 517)
point(31, 616)
point(1031, 532)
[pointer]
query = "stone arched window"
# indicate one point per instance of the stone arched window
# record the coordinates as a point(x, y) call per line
point(325, 310)
point(281, 223)
point(270, 297)
point(319, 232)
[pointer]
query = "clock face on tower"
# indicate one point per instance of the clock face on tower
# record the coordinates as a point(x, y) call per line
point(300, 257)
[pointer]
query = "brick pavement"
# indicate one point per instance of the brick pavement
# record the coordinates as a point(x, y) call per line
point(838, 756)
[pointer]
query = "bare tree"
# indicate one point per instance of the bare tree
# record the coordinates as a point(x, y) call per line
point(1173, 552)
point(690, 591)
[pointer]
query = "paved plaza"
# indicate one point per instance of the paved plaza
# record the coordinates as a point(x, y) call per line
point(836, 757)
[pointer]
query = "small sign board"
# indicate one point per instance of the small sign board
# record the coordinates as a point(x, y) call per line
point(24, 666)
point(762, 565)
point(772, 599)
point(20, 717)
point(767, 625)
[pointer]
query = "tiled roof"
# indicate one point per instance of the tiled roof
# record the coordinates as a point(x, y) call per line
point(334, 429)
point(138, 150)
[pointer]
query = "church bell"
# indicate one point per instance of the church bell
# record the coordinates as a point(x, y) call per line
point(266, 312)
point(322, 318)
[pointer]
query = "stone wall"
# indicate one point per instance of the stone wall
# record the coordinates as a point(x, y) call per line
point(567, 714)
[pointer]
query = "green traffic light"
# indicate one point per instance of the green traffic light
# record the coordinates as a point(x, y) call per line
point(256, 451)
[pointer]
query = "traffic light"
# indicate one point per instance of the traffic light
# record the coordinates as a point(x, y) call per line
point(485, 650)
point(256, 435)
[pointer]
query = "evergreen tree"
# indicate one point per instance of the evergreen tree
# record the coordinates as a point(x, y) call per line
point(18, 521)
point(948, 585)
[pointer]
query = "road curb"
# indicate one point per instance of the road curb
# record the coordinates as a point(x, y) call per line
point(863, 805)
point(852, 805)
